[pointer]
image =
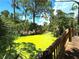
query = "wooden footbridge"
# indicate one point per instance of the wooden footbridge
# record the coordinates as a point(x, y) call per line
point(65, 47)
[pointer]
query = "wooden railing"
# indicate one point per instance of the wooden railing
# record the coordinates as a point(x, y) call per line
point(57, 49)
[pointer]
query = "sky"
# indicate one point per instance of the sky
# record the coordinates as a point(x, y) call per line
point(5, 5)
point(64, 6)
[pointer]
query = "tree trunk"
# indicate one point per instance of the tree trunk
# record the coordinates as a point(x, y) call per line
point(34, 12)
point(33, 16)
point(25, 16)
point(78, 14)
point(14, 5)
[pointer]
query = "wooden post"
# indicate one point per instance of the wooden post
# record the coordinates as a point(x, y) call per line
point(46, 55)
point(70, 34)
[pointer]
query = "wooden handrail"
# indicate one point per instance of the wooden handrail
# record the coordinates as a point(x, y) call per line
point(57, 49)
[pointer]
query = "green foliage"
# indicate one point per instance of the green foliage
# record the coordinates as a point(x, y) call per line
point(6, 37)
point(45, 27)
point(11, 28)
point(5, 13)
point(37, 28)
point(28, 48)
point(74, 6)
point(77, 28)
point(8, 32)
point(34, 6)
point(60, 22)
point(2, 28)
point(33, 26)
point(23, 26)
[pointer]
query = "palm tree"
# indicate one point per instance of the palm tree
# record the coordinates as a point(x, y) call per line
point(14, 5)
point(34, 6)
point(41, 6)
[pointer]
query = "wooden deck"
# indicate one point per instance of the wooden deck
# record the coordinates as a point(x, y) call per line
point(72, 49)
point(65, 47)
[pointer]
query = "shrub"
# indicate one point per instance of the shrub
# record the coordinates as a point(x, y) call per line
point(36, 29)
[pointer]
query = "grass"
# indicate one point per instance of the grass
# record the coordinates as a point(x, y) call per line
point(41, 41)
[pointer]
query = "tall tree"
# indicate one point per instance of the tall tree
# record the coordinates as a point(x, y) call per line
point(39, 7)
point(14, 5)
point(34, 6)
point(22, 6)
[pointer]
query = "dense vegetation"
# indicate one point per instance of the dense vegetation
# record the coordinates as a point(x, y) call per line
point(12, 26)
point(33, 44)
